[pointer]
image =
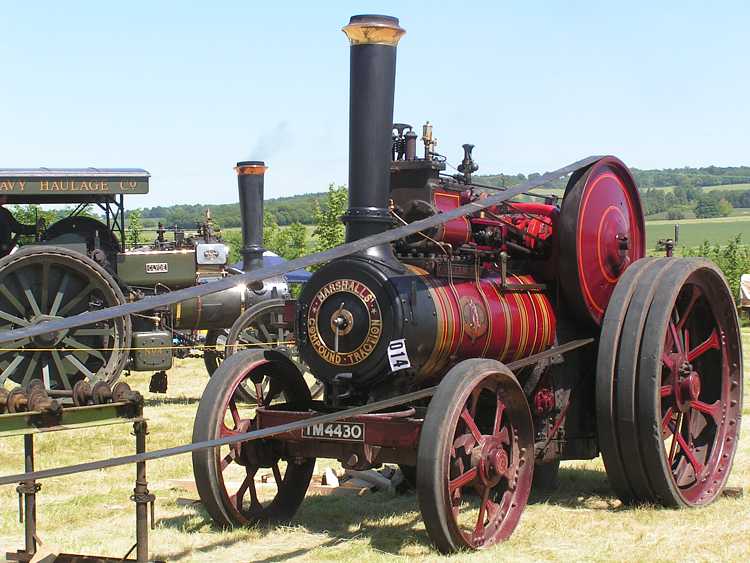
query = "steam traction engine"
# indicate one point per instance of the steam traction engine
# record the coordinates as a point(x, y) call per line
point(546, 332)
point(80, 264)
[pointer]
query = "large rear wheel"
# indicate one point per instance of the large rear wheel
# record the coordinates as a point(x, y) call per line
point(669, 402)
point(39, 284)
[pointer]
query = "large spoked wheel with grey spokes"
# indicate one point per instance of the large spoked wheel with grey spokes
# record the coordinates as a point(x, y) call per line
point(39, 284)
point(213, 353)
point(475, 459)
point(263, 326)
point(678, 395)
point(228, 478)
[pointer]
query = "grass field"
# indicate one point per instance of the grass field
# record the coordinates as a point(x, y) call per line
point(91, 513)
point(728, 187)
point(694, 231)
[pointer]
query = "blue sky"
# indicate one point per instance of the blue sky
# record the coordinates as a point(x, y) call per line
point(187, 89)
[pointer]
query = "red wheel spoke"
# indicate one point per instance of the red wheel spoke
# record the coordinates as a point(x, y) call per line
point(697, 466)
point(667, 418)
point(666, 390)
point(713, 410)
point(675, 337)
point(226, 431)
point(710, 343)
point(479, 527)
point(463, 479)
point(474, 400)
point(666, 359)
point(237, 497)
point(469, 420)
point(498, 415)
point(235, 414)
point(675, 431)
point(229, 458)
point(277, 474)
point(695, 294)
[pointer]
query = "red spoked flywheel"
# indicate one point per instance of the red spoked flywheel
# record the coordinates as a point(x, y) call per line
point(601, 232)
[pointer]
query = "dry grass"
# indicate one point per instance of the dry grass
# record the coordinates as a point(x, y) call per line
point(91, 513)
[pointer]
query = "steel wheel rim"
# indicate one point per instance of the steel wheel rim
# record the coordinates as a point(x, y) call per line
point(493, 474)
point(63, 286)
point(697, 393)
point(247, 511)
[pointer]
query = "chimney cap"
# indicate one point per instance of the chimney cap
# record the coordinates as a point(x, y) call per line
point(369, 29)
point(251, 167)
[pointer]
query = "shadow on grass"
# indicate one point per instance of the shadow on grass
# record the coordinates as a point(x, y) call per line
point(388, 523)
point(196, 522)
point(162, 401)
point(580, 488)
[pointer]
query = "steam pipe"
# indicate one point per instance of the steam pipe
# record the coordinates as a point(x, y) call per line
point(250, 176)
point(372, 79)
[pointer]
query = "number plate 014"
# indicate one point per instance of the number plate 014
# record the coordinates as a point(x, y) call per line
point(349, 431)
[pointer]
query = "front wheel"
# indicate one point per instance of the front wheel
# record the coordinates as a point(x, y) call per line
point(475, 458)
point(226, 476)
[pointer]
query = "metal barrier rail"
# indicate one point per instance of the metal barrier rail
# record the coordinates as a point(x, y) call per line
point(166, 299)
point(267, 432)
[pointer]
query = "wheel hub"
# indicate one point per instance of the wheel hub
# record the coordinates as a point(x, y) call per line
point(51, 339)
point(492, 462)
point(687, 386)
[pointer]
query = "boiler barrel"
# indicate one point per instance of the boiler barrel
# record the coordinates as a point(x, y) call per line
point(355, 312)
point(481, 320)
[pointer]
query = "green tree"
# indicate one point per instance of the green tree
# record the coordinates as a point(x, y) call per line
point(675, 214)
point(329, 229)
point(733, 259)
point(725, 208)
point(135, 229)
point(707, 206)
point(28, 214)
point(270, 230)
point(297, 235)
point(234, 240)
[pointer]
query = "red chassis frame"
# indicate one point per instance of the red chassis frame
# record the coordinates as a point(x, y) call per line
point(391, 437)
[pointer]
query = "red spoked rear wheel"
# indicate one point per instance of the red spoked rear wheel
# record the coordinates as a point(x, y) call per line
point(228, 478)
point(475, 461)
point(691, 385)
point(669, 383)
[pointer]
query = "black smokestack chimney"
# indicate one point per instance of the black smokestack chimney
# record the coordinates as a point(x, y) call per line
point(372, 83)
point(250, 175)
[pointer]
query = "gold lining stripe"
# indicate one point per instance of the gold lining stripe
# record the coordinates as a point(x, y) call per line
point(522, 317)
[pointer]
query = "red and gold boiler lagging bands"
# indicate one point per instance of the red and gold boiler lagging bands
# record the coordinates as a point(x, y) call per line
point(479, 319)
